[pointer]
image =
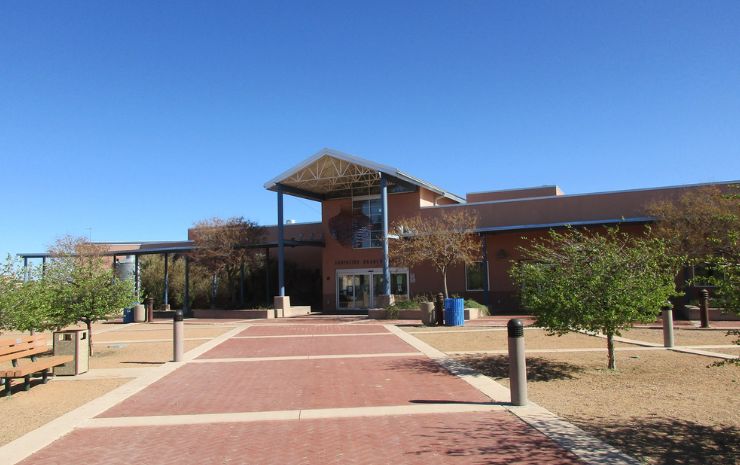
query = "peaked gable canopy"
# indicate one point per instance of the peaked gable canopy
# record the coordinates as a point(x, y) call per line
point(334, 174)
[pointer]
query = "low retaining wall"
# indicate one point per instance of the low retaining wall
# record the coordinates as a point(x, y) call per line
point(415, 314)
point(715, 314)
point(235, 314)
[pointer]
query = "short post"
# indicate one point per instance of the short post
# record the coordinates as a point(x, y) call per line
point(667, 325)
point(517, 362)
point(439, 305)
point(149, 301)
point(704, 308)
point(178, 335)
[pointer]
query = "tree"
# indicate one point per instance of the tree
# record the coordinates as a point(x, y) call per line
point(222, 246)
point(703, 227)
point(83, 286)
point(442, 241)
point(25, 299)
point(578, 280)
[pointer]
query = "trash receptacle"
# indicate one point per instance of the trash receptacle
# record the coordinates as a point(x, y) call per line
point(139, 313)
point(427, 313)
point(72, 342)
point(128, 315)
point(455, 312)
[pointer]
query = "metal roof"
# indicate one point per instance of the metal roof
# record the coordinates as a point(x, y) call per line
point(330, 173)
point(565, 224)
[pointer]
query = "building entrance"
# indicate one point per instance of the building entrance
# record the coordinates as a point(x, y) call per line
point(359, 288)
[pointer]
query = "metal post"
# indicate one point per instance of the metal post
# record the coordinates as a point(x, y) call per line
point(26, 272)
point(166, 297)
point(149, 309)
point(241, 285)
point(281, 244)
point(517, 362)
point(439, 305)
point(704, 308)
point(386, 262)
point(43, 266)
point(178, 335)
point(137, 282)
point(186, 296)
point(268, 293)
point(486, 290)
point(668, 325)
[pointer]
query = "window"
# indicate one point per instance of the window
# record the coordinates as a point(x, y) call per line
point(474, 276)
point(367, 222)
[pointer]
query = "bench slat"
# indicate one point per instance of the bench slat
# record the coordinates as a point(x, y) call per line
point(26, 369)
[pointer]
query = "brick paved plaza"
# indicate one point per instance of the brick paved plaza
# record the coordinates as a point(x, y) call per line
point(319, 391)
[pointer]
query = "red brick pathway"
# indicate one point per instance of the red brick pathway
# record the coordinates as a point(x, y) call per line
point(426, 439)
point(213, 387)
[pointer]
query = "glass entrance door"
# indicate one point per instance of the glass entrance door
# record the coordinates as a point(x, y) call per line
point(357, 289)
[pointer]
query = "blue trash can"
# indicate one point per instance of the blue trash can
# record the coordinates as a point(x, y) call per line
point(455, 312)
point(128, 315)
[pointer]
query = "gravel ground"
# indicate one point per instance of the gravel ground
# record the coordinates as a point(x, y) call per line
point(140, 354)
point(458, 341)
point(681, 336)
point(26, 411)
point(158, 333)
point(660, 406)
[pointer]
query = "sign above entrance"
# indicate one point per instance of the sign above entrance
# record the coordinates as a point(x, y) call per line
point(371, 261)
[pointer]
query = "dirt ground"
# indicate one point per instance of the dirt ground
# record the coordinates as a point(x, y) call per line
point(682, 336)
point(660, 406)
point(140, 354)
point(26, 411)
point(460, 341)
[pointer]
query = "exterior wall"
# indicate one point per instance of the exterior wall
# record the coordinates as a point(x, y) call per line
point(529, 192)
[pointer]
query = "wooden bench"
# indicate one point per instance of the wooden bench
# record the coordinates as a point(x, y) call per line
point(16, 349)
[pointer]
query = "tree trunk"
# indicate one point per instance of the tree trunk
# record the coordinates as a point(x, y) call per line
point(89, 337)
point(214, 289)
point(444, 281)
point(610, 348)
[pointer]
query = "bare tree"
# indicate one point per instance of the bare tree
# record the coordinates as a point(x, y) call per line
point(223, 246)
point(441, 241)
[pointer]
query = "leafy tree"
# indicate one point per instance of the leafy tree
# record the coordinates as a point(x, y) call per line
point(83, 286)
point(442, 241)
point(25, 299)
point(578, 280)
point(152, 281)
point(222, 246)
point(703, 227)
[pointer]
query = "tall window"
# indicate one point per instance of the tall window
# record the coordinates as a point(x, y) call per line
point(367, 222)
point(474, 276)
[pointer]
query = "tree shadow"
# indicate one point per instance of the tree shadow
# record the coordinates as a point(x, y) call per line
point(538, 369)
point(494, 366)
point(671, 441)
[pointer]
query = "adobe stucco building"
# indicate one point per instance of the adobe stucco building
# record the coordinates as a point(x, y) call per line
point(353, 257)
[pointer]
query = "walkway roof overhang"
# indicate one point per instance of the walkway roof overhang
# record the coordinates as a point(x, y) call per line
point(333, 174)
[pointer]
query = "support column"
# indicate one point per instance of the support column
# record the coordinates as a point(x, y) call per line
point(166, 297)
point(137, 282)
point(268, 288)
point(486, 290)
point(281, 244)
point(25, 269)
point(386, 261)
point(241, 285)
point(186, 293)
point(43, 266)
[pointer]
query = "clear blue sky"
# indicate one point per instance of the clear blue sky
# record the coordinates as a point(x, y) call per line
point(138, 118)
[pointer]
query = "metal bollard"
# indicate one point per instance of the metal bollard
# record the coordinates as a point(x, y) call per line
point(517, 362)
point(439, 305)
point(178, 335)
point(704, 308)
point(149, 302)
point(668, 325)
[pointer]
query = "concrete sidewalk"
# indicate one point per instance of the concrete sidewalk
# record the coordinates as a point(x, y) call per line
point(318, 393)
